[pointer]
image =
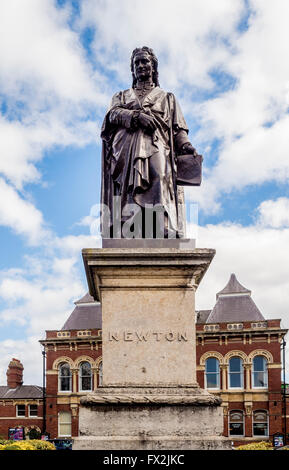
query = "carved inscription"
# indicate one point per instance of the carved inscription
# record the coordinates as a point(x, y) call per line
point(140, 336)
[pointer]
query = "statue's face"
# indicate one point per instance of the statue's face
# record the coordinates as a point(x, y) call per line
point(142, 66)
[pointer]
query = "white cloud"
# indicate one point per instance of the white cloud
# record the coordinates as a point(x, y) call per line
point(51, 93)
point(29, 353)
point(48, 87)
point(42, 53)
point(189, 37)
point(21, 215)
point(257, 256)
point(252, 119)
point(274, 213)
point(40, 295)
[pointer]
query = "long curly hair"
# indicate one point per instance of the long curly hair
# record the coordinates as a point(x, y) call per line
point(154, 60)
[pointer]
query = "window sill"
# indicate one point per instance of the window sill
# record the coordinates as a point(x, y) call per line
point(260, 388)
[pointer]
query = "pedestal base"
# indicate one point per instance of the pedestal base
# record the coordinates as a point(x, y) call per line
point(151, 443)
point(150, 398)
point(172, 418)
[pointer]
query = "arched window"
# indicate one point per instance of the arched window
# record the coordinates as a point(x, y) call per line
point(260, 423)
point(85, 377)
point(236, 423)
point(64, 382)
point(212, 373)
point(100, 374)
point(236, 373)
point(259, 372)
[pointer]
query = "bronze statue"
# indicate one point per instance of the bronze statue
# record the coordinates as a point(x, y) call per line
point(143, 134)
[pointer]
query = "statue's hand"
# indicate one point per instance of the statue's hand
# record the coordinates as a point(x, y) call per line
point(188, 148)
point(147, 122)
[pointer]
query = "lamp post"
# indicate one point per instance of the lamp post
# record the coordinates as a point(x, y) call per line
point(44, 393)
point(284, 391)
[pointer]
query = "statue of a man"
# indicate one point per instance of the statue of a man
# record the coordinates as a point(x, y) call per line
point(143, 133)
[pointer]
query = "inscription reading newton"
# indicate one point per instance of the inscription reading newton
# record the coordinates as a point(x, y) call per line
point(130, 336)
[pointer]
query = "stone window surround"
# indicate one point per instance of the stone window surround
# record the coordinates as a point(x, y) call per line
point(17, 411)
point(243, 423)
point(74, 368)
point(247, 366)
point(217, 373)
point(264, 372)
point(241, 373)
point(29, 410)
point(267, 422)
point(66, 377)
point(80, 376)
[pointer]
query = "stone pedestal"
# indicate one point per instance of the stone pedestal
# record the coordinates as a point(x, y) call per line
point(150, 398)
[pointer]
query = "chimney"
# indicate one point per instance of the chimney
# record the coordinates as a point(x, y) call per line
point(14, 373)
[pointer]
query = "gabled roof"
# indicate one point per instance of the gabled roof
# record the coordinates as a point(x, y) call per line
point(22, 391)
point(86, 315)
point(234, 304)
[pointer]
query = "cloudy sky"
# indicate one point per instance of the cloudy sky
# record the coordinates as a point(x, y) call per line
point(61, 60)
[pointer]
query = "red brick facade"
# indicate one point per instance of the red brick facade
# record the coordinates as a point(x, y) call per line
point(20, 405)
point(74, 349)
point(246, 344)
point(74, 357)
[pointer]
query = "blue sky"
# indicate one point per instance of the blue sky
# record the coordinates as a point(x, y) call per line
point(61, 61)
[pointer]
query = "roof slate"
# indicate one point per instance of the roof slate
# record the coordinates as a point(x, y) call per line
point(23, 391)
point(84, 316)
point(234, 304)
point(202, 315)
point(233, 287)
point(87, 298)
point(235, 309)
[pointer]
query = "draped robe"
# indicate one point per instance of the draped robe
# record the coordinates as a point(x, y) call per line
point(140, 167)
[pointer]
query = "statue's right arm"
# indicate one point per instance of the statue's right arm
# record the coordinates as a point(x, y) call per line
point(121, 117)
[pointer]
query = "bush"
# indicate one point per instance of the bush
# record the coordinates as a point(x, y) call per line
point(263, 445)
point(43, 445)
point(26, 445)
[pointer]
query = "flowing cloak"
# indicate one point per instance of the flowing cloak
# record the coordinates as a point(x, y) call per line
point(139, 167)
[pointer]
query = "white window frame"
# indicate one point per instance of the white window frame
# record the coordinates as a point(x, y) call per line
point(17, 412)
point(267, 414)
point(217, 373)
point(29, 411)
point(264, 372)
point(67, 376)
point(241, 374)
point(243, 422)
point(80, 376)
point(100, 374)
point(59, 424)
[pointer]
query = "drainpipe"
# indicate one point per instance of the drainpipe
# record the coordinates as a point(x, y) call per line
point(44, 393)
point(284, 391)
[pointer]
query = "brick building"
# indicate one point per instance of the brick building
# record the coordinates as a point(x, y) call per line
point(73, 366)
point(239, 359)
point(20, 405)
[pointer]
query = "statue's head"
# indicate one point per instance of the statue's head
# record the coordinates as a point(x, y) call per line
point(145, 51)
